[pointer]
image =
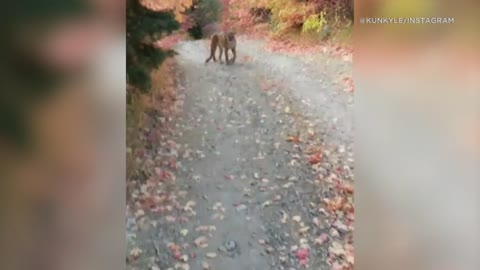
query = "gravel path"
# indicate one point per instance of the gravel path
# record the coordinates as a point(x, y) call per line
point(247, 194)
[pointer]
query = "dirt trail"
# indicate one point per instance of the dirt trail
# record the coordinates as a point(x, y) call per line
point(245, 197)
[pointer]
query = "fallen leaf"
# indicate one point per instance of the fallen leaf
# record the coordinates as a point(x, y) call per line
point(350, 250)
point(302, 254)
point(315, 158)
point(182, 266)
point(295, 139)
point(284, 217)
point(336, 249)
point(217, 206)
point(323, 238)
point(297, 218)
point(240, 207)
point(205, 266)
point(201, 242)
point(348, 188)
point(177, 255)
point(211, 255)
point(218, 216)
point(316, 221)
point(184, 232)
point(304, 229)
point(189, 205)
point(334, 233)
point(139, 213)
point(135, 252)
point(337, 266)
point(267, 203)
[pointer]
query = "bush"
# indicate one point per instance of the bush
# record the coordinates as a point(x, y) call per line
point(260, 14)
point(201, 14)
point(314, 23)
point(289, 14)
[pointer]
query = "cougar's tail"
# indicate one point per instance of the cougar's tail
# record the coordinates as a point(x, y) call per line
point(213, 48)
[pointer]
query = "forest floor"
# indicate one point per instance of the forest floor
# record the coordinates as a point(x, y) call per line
point(253, 168)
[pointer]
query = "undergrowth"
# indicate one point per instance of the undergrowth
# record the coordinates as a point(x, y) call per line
point(308, 20)
point(159, 99)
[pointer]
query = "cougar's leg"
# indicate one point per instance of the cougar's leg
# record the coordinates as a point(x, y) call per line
point(234, 51)
point(220, 55)
point(226, 56)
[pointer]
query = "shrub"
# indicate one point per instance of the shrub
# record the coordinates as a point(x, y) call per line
point(314, 23)
point(201, 14)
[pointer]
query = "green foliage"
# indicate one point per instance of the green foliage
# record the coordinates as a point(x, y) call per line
point(314, 23)
point(195, 32)
point(289, 14)
point(201, 14)
point(208, 12)
point(309, 16)
point(144, 26)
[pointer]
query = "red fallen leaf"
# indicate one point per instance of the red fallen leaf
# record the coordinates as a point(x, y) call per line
point(177, 255)
point(302, 254)
point(163, 175)
point(148, 203)
point(172, 164)
point(173, 248)
point(348, 188)
point(335, 204)
point(351, 216)
point(315, 158)
point(228, 177)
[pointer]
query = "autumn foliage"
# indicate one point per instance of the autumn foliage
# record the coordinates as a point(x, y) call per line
point(292, 15)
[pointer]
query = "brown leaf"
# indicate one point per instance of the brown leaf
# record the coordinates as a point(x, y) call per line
point(294, 139)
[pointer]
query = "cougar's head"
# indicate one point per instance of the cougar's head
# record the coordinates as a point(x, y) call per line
point(231, 35)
